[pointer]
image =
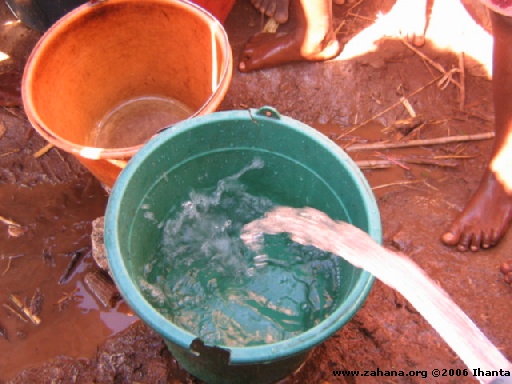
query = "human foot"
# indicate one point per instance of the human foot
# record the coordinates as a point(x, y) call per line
point(485, 219)
point(266, 50)
point(278, 9)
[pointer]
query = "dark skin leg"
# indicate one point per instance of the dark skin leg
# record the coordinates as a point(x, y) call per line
point(410, 18)
point(487, 216)
point(312, 40)
point(278, 9)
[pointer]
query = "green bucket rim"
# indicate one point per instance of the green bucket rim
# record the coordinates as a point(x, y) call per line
point(182, 338)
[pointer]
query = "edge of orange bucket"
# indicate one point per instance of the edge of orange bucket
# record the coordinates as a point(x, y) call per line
point(67, 22)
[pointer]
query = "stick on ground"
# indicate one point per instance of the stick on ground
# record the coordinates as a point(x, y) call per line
point(419, 143)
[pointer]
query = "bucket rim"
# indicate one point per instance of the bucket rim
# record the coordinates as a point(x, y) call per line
point(250, 354)
point(96, 153)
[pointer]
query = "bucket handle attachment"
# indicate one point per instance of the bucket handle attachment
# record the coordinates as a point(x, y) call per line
point(219, 356)
point(267, 111)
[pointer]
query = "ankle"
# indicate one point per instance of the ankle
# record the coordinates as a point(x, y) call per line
point(315, 42)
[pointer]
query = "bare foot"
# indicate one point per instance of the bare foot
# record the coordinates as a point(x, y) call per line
point(278, 9)
point(485, 220)
point(409, 20)
point(266, 50)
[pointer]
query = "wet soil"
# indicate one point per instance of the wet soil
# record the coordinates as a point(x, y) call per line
point(55, 199)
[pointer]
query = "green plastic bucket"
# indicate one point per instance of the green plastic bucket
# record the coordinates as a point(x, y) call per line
point(302, 168)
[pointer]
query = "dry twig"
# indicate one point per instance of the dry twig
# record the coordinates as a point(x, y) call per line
point(7, 221)
point(433, 63)
point(397, 183)
point(36, 302)
point(9, 262)
point(14, 229)
point(380, 164)
point(462, 93)
point(409, 107)
point(373, 164)
point(66, 297)
point(356, 4)
point(3, 129)
point(15, 312)
point(16, 113)
point(399, 102)
point(43, 150)
point(75, 257)
point(15, 150)
point(25, 310)
point(418, 143)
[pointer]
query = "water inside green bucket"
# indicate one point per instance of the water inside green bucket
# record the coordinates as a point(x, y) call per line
point(205, 280)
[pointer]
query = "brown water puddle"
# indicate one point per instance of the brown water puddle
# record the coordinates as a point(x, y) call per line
point(57, 219)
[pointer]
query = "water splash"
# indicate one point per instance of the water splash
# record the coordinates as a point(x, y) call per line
point(207, 281)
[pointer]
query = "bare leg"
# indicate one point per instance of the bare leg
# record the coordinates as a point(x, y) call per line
point(410, 20)
point(278, 9)
point(312, 40)
point(487, 216)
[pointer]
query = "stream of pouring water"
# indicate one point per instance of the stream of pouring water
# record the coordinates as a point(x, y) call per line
point(308, 226)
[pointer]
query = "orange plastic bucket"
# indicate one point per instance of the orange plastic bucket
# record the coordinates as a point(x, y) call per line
point(107, 77)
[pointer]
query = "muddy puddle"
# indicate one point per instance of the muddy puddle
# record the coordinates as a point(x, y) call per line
point(36, 262)
point(403, 167)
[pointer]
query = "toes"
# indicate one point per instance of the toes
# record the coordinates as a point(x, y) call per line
point(495, 238)
point(245, 64)
point(476, 242)
point(418, 41)
point(264, 6)
point(281, 14)
point(464, 242)
point(451, 237)
point(256, 4)
point(473, 241)
point(271, 9)
point(487, 240)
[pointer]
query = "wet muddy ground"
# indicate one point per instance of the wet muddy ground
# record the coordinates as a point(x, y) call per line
point(355, 98)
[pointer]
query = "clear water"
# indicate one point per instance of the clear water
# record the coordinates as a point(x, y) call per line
point(136, 121)
point(205, 280)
